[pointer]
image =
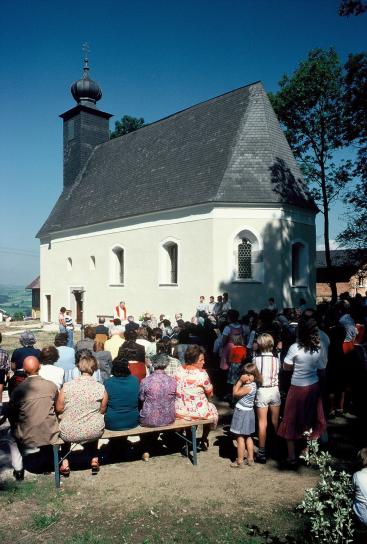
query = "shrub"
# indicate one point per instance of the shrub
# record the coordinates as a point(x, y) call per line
point(328, 505)
point(18, 316)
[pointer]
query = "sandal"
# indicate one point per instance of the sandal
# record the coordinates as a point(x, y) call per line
point(237, 465)
point(65, 470)
point(204, 444)
point(95, 467)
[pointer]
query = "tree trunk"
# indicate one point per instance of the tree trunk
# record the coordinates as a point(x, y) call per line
point(329, 267)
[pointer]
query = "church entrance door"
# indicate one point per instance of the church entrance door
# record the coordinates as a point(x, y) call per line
point(78, 304)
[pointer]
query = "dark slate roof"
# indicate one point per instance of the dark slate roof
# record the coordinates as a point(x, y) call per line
point(35, 284)
point(229, 149)
point(341, 258)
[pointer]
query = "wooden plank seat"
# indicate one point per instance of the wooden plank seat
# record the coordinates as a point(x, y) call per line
point(179, 426)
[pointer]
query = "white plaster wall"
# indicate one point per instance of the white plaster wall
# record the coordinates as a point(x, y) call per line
point(205, 239)
point(275, 228)
point(141, 289)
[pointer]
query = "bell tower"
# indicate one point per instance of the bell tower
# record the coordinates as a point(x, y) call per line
point(85, 126)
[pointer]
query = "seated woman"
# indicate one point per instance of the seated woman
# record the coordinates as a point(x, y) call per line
point(75, 373)
point(104, 360)
point(157, 393)
point(81, 404)
point(135, 354)
point(193, 391)
point(123, 397)
point(49, 356)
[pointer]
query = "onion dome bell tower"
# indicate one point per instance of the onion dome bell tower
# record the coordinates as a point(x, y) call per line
point(85, 126)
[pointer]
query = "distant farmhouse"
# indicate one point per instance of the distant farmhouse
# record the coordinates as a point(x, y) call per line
point(35, 287)
point(350, 271)
point(207, 200)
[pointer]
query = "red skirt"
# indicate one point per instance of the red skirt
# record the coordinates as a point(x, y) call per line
point(303, 412)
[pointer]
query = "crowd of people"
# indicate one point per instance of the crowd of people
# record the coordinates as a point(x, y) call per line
point(293, 368)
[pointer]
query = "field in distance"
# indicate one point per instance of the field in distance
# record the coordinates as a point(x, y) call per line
point(14, 298)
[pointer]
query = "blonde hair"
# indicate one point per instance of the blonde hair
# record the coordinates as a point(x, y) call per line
point(265, 342)
point(88, 365)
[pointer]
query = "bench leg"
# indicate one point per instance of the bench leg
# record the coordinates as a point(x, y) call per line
point(194, 446)
point(56, 466)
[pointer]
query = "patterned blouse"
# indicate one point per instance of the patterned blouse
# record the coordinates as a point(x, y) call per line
point(157, 392)
point(193, 386)
point(82, 419)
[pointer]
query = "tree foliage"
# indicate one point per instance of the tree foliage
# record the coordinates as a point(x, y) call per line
point(352, 7)
point(309, 105)
point(126, 125)
point(355, 133)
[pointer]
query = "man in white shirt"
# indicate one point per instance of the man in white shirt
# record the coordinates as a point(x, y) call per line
point(202, 307)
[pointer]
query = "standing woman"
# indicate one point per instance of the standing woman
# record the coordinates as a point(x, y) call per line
point(303, 407)
point(81, 404)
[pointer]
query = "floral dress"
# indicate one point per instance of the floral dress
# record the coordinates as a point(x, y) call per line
point(82, 420)
point(193, 385)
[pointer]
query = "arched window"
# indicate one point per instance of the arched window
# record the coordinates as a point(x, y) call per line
point(299, 264)
point(117, 265)
point(169, 263)
point(69, 264)
point(248, 261)
point(244, 259)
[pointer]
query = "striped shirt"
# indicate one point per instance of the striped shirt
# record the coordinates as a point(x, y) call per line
point(268, 366)
point(247, 401)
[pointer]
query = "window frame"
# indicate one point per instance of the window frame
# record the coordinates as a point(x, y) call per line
point(257, 255)
point(113, 266)
point(165, 263)
point(303, 263)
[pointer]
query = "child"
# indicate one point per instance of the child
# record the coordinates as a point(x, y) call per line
point(237, 358)
point(268, 395)
point(243, 420)
point(360, 487)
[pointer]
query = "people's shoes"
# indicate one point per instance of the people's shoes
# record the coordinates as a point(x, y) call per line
point(291, 464)
point(339, 413)
point(65, 471)
point(249, 462)
point(203, 444)
point(145, 457)
point(18, 474)
point(237, 465)
point(261, 458)
point(95, 467)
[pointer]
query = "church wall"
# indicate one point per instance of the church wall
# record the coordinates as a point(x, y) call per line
point(275, 230)
point(141, 290)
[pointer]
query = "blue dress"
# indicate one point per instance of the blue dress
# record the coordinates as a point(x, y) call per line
point(123, 397)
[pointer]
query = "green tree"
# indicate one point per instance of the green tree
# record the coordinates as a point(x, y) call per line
point(18, 316)
point(355, 133)
point(127, 124)
point(309, 106)
point(352, 7)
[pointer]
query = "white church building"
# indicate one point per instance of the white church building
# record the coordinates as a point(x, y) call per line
point(205, 201)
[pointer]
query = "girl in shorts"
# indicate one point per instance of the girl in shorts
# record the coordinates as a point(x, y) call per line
point(268, 396)
point(243, 420)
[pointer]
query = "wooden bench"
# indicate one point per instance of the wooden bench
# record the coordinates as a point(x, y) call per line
point(178, 427)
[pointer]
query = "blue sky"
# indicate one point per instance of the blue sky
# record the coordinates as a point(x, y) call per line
point(151, 58)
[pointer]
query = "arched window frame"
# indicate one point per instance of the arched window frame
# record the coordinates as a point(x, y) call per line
point(117, 271)
point(257, 256)
point(92, 263)
point(300, 266)
point(166, 274)
point(69, 264)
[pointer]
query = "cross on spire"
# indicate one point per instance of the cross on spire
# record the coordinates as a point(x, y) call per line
point(85, 49)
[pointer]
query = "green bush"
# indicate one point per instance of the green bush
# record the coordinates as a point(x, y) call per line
point(328, 505)
point(18, 316)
